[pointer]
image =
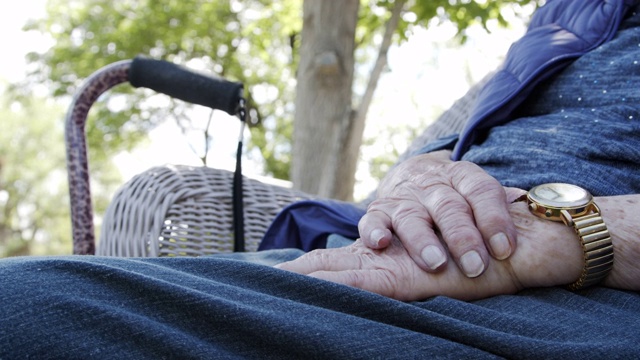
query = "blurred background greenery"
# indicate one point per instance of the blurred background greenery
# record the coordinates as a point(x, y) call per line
point(440, 48)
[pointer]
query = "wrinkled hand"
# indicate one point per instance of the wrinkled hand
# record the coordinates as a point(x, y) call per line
point(547, 255)
point(430, 196)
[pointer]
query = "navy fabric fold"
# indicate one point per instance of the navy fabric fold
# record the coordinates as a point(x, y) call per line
point(307, 224)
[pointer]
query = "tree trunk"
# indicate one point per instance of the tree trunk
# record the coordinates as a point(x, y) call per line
point(353, 141)
point(323, 106)
point(327, 132)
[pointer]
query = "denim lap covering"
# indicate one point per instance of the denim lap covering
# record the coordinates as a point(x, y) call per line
point(227, 307)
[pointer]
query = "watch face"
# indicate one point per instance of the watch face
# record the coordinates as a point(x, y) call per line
point(560, 195)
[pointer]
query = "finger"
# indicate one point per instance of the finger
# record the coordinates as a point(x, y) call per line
point(496, 225)
point(374, 228)
point(337, 259)
point(488, 201)
point(454, 220)
point(378, 281)
point(412, 224)
point(414, 228)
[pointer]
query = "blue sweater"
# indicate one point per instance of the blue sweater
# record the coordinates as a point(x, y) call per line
point(560, 32)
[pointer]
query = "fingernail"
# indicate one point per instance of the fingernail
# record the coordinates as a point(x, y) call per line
point(376, 235)
point(472, 264)
point(500, 246)
point(433, 256)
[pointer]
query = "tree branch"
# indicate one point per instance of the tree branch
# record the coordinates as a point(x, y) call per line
point(381, 61)
point(355, 132)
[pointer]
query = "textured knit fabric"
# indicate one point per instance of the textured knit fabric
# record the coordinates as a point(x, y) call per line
point(561, 32)
point(581, 127)
point(223, 308)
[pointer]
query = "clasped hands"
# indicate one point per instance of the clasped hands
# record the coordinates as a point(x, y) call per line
point(440, 227)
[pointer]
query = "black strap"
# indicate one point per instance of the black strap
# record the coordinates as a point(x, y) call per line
point(238, 197)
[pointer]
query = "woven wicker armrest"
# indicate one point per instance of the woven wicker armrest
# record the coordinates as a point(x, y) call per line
point(187, 211)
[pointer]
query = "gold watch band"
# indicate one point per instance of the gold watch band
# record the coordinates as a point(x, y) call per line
point(597, 249)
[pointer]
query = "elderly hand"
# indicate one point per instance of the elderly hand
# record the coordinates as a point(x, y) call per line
point(429, 196)
point(548, 254)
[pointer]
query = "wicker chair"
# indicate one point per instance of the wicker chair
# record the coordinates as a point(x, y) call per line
point(187, 211)
point(178, 210)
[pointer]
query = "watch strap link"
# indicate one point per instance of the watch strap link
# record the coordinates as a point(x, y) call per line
point(597, 249)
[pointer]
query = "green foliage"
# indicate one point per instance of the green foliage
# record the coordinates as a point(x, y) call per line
point(247, 41)
point(34, 201)
point(251, 41)
point(463, 13)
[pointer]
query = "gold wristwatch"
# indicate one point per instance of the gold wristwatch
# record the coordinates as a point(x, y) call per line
point(574, 206)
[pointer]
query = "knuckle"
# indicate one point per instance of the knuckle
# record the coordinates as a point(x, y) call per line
point(441, 204)
point(319, 257)
point(375, 205)
point(472, 181)
point(406, 215)
point(382, 205)
point(460, 236)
